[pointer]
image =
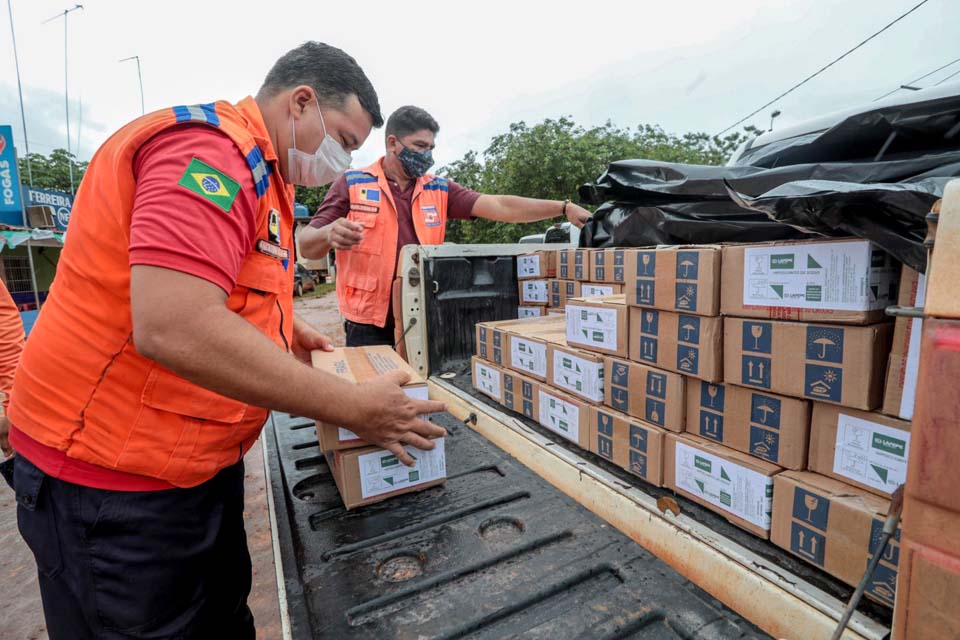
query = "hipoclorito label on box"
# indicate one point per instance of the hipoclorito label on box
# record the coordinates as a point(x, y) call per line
point(528, 355)
point(382, 472)
point(487, 380)
point(871, 453)
point(529, 266)
point(593, 325)
point(560, 416)
point(579, 375)
point(846, 276)
point(590, 290)
point(743, 492)
point(534, 291)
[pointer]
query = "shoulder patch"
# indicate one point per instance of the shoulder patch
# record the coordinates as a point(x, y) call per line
point(210, 183)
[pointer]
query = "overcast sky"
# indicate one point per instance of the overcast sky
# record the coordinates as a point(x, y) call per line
point(687, 65)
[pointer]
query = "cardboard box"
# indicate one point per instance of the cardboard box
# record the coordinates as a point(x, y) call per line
point(737, 486)
point(574, 264)
point(831, 363)
point(842, 281)
point(487, 378)
point(900, 390)
point(360, 364)
point(942, 300)
point(531, 311)
point(598, 324)
point(835, 527)
point(491, 337)
point(775, 428)
point(564, 415)
point(678, 342)
point(866, 449)
point(644, 392)
point(372, 474)
point(607, 265)
point(508, 388)
point(521, 394)
point(628, 443)
point(534, 292)
point(527, 345)
point(537, 265)
point(563, 290)
point(599, 289)
point(682, 278)
point(577, 372)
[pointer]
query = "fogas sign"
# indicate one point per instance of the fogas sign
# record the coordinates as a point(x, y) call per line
point(10, 202)
point(60, 202)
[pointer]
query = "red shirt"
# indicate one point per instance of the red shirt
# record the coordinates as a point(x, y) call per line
point(336, 204)
point(175, 228)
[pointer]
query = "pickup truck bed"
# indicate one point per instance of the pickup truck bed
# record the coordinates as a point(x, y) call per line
point(495, 552)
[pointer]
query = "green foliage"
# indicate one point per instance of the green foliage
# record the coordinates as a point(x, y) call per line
point(552, 159)
point(53, 171)
point(311, 197)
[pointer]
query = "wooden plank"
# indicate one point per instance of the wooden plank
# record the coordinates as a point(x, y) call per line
point(779, 602)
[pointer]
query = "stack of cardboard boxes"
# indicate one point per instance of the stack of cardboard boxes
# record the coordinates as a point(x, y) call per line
point(746, 378)
point(365, 474)
point(534, 274)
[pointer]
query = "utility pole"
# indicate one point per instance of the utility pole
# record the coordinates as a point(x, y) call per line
point(23, 115)
point(140, 77)
point(66, 84)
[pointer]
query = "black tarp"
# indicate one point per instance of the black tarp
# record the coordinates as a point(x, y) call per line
point(874, 175)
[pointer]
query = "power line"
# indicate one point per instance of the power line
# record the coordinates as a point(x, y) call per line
point(955, 73)
point(923, 77)
point(825, 67)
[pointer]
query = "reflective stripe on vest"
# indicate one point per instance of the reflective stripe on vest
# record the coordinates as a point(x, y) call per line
point(365, 272)
point(82, 387)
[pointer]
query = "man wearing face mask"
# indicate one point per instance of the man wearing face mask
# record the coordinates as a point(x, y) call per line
point(369, 214)
point(168, 332)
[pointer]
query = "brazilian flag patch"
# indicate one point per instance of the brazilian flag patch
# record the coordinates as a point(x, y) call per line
point(215, 186)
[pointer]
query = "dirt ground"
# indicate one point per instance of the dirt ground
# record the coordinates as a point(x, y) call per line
point(21, 615)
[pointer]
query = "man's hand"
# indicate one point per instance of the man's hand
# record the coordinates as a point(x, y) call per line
point(388, 418)
point(344, 234)
point(5, 437)
point(577, 215)
point(306, 339)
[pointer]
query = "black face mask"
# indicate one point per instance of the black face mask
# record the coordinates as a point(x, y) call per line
point(415, 163)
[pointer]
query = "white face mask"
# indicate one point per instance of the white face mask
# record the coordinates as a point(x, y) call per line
point(321, 167)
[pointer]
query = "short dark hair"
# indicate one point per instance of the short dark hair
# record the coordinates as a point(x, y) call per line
point(410, 119)
point(333, 74)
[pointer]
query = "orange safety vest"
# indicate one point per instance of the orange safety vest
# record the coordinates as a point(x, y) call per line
point(365, 271)
point(82, 387)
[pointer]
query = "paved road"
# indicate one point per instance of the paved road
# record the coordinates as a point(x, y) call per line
point(20, 609)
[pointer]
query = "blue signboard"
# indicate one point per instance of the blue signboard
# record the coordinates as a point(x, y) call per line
point(11, 207)
point(60, 202)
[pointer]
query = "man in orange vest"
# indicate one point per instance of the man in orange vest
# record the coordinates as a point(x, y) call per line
point(11, 344)
point(168, 332)
point(369, 214)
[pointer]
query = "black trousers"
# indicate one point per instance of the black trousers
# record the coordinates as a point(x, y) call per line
point(367, 335)
point(151, 564)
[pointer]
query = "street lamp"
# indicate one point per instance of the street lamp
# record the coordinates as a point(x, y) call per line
point(66, 86)
point(140, 76)
point(773, 116)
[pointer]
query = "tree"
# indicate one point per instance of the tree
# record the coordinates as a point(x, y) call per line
point(552, 159)
point(53, 171)
point(311, 197)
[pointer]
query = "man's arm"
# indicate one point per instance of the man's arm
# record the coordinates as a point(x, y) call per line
point(330, 228)
point(11, 346)
point(182, 322)
point(518, 209)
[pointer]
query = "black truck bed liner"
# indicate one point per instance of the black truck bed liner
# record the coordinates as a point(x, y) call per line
point(495, 552)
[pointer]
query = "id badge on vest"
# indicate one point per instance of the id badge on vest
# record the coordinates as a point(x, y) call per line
point(272, 246)
point(431, 217)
